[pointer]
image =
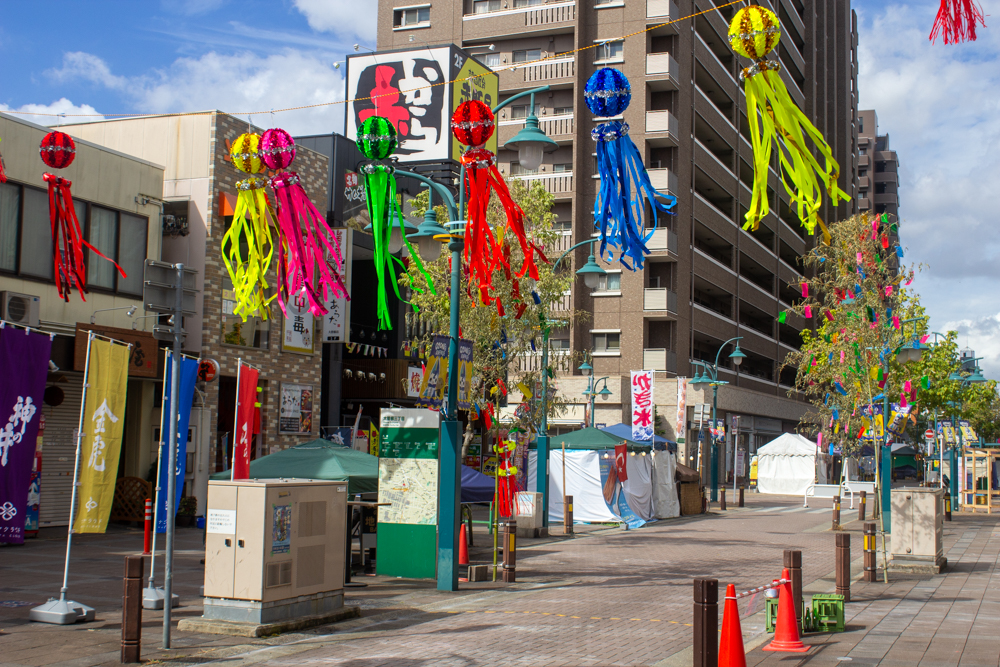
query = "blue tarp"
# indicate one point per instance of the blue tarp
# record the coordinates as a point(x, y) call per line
point(625, 431)
point(476, 487)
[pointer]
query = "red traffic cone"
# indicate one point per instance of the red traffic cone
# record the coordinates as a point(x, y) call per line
point(731, 653)
point(463, 547)
point(786, 630)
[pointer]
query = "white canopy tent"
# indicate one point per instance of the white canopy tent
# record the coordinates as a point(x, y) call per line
point(786, 465)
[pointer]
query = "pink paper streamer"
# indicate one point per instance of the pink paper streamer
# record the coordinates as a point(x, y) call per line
point(895, 321)
point(841, 356)
point(906, 386)
point(888, 290)
point(805, 290)
point(809, 311)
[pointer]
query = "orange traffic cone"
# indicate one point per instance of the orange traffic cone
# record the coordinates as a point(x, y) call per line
point(786, 630)
point(463, 547)
point(731, 653)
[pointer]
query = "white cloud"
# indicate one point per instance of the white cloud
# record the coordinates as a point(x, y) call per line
point(345, 18)
point(34, 112)
point(982, 335)
point(78, 65)
point(939, 105)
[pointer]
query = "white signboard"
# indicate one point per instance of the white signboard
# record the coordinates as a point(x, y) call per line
point(298, 325)
point(222, 522)
point(414, 376)
point(336, 323)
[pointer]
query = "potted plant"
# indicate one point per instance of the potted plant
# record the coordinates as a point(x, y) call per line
point(185, 513)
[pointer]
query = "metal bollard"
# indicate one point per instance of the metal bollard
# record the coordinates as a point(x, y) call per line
point(871, 569)
point(836, 513)
point(843, 565)
point(740, 504)
point(793, 563)
point(510, 551)
point(567, 515)
point(947, 507)
point(148, 541)
point(861, 506)
point(706, 622)
point(722, 499)
point(132, 609)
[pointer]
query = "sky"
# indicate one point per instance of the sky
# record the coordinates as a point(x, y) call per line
point(939, 105)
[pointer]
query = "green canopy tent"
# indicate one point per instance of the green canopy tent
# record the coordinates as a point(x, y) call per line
point(593, 438)
point(318, 459)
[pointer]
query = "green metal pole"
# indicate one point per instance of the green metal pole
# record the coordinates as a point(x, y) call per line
point(885, 496)
point(956, 500)
point(715, 446)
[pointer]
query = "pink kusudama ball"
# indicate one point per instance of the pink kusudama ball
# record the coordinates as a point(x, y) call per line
point(277, 148)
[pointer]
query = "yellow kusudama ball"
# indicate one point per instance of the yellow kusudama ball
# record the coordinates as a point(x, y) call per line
point(245, 154)
point(754, 31)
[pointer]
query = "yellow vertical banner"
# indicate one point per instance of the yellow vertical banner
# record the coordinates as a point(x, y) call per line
point(103, 424)
point(373, 443)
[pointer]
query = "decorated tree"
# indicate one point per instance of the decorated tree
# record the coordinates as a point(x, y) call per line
point(507, 347)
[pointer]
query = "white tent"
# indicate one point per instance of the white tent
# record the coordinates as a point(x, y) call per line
point(786, 465)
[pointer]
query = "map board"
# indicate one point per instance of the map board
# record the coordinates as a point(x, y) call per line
point(408, 481)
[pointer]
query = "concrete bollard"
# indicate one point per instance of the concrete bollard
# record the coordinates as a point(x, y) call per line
point(871, 569)
point(843, 565)
point(706, 623)
point(836, 513)
point(793, 563)
point(861, 506)
point(947, 507)
point(132, 609)
point(567, 515)
point(740, 504)
point(510, 551)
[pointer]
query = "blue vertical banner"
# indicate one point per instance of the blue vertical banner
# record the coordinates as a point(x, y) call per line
point(185, 399)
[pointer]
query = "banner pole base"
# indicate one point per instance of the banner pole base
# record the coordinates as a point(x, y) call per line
point(61, 612)
point(152, 598)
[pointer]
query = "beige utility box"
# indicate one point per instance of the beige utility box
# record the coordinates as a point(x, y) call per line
point(529, 515)
point(274, 549)
point(917, 524)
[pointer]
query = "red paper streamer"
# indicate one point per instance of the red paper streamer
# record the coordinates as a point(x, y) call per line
point(956, 21)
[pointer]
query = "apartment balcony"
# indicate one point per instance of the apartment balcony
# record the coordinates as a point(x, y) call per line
point(532, 361)
point(550, 18)
point(662, 71)
point(662, 240)
point(558, 128)
point(558, 183)
point(864, 160)
point(864, 182)
point(662, 10)
point(887, 176)
point(661, 128)
point(663, 180)
point(562, 305)
point(551, 72)
point(659, 303)
point(659, 359)
point(560, 245)
point(887, 198)
point(864, 204)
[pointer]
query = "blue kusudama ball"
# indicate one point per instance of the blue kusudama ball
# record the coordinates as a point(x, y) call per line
point(608, 92)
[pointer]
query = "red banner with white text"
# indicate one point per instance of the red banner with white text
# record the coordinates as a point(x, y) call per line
point(246, 399)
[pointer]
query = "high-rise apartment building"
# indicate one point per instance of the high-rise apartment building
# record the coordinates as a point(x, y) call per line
point(878, 168)
point(706, 279)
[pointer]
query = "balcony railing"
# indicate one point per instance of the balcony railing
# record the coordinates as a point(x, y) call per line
point(661, 9)
point(553, 126)
point(659, 64)
point(558, 183)
point(533, 361)
point(659, 299)
point(864, 203)
point(661, 121)
point(662, 239)
point(563, 68)
point(554, 6)
point(663, 179)
point(659, 359)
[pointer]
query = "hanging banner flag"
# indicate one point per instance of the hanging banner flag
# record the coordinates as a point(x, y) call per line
point(103, 424)
point(464, 374)
point(642, 405)
point(947, 429)
point(680, 425)
point(968, 433)
point(246, 397)
point(621, 461)
point(185, 399)
point(24, 358)
point(434, 384)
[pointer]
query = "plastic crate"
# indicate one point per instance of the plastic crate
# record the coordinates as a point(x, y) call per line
point(828, 612)
point(771, 615)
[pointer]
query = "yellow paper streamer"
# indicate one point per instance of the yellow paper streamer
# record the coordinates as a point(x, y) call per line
point(250, 233)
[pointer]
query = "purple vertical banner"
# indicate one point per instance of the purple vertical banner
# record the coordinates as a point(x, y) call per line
point(24, 358)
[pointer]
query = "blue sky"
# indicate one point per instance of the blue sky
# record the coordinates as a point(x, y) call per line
point(938, 103)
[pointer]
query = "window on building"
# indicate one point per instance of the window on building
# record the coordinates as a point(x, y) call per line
point(526, 55)
point(521, 111)
point(528, 3)
point(562, 167)
point(880, 188)
point(607, 342)
point(562, 111)
point(492, 60)
point(598, 3)
point(559, 344)
point(879, 167)
point(411, 17)
point(862, 172)
point(611, 51)
point(517, 170)
point(561, 225)
point(861, 123)
point(610, 282)
point(864, 150)
point(486, 6)
point(121, 237)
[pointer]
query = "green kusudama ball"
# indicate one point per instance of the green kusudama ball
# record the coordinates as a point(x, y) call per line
point(376, 138)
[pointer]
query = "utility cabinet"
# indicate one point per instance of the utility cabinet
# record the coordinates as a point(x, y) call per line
point(274, 549)
point(917, 525)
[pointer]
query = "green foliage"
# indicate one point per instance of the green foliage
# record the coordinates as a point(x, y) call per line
point(503, 346)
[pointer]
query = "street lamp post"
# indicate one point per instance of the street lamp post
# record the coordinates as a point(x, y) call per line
point(591, 273)
point(965, 381)
point(534, 142)
point(711, 377)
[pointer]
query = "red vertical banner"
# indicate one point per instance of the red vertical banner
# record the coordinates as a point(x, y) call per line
point(621, 461)
point(246, 398)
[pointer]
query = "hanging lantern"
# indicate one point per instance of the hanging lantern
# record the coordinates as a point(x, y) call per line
point(58, 151)
point(377, 140)
point(617, 213)
point(956, 21)
point(309, 256)
point(250, 229)
point(473, 125)
point(774, 117)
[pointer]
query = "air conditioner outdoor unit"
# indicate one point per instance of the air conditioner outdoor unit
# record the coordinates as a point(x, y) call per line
point(20, 308)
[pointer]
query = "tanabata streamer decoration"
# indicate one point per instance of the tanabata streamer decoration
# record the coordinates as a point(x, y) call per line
point(774, 117)
point(309, 257)
point(58, 151)
point(377, 140)
point(250, 230)
point(3, 175)
point(617, 213)
point(956, 21)
point(473, 124)
point(507, 486)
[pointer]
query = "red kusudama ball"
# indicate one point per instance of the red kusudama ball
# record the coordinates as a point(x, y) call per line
point(57, 150)
point(472, 123)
